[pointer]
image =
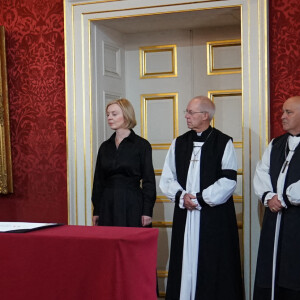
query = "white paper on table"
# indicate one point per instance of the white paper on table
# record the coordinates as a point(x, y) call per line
point(23, 226)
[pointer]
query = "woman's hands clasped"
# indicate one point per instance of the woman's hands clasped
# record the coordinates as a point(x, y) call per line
point(146, 220)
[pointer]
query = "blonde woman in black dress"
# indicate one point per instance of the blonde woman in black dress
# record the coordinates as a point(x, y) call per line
point(124, 189)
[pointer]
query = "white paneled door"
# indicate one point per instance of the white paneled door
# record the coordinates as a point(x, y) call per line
point(159, 72)
point(160, 54)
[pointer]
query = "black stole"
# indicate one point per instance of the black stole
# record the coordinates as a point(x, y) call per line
point(211, 156)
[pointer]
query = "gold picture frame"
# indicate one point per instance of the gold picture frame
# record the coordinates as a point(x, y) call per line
point(6, 182)
point(145, 98)
point(211, 47)
point(170, 50)
point(224, 93)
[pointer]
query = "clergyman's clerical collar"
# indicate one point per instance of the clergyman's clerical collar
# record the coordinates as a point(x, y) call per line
point(294, 134)
point(204, 135)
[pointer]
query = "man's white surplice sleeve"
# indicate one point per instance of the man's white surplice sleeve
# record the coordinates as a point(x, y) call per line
point(293, 193)
point(168, 181)
point(262, 181)
point(219, 192)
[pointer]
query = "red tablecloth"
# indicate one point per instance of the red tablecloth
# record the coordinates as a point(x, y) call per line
point(79, 262)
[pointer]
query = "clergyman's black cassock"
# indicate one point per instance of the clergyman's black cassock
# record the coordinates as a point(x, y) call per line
point(219, 266)
point(288, 252)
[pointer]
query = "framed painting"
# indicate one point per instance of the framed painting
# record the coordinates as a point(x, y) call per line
point(6, 183)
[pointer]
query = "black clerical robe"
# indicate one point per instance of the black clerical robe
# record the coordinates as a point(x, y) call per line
point(288, 253)
point(219, 267)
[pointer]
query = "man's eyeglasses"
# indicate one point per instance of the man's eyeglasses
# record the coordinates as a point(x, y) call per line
point(191, 113)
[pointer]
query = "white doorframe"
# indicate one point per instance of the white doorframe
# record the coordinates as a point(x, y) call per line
point(80, 143)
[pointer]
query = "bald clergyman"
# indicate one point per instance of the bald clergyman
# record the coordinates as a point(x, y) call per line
point(277, 184)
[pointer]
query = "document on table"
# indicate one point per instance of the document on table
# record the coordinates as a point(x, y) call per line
point(24, 226)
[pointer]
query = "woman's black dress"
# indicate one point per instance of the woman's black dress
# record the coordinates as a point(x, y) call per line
point(124, 182)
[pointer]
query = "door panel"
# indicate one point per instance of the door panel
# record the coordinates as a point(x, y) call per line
point(152, 98)
point(159, 72)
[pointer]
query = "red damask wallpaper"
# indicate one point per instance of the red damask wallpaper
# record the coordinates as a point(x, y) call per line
point(284, 45)
point(35, 59)
point(36, 83)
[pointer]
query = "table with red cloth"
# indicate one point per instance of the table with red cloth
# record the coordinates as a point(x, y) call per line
point(79, 262)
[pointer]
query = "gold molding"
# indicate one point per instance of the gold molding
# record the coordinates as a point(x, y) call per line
point(238, 199)
point(162, 199)
point(158, 172)
point(162, 224)
point(162, 273)
point(162, 146)
point(73, 116)
point(210, 46)
point(157, 6)
point(161, 294)
point(143, 51)
point(6, 181)
point(94, 2)
point(222, 93)
point(67, 113)
point(240, 225)
point(144, 125)
point(266, 81)
point(238, 145)
point(240, 172)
